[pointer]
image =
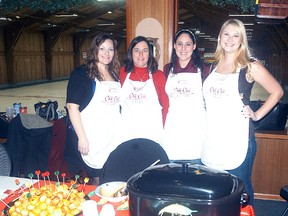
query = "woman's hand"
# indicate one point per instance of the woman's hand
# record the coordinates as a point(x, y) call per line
point(83, 146)
point(249, 113)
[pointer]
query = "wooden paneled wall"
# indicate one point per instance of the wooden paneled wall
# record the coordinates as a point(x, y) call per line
point(62, 57)
point(270, 171)
point(29, 63)
point(29, 58)
point(277, 64)
point(3, 69)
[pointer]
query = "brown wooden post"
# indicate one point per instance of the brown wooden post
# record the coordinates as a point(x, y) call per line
point(51, 38)
point(11, 35)
point(273, 9)
point(78, 41)
point(156, 20)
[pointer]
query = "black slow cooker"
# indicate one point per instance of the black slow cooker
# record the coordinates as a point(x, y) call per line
point(184, 189)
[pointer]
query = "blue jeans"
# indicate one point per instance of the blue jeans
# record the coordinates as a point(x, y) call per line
point(244, 171)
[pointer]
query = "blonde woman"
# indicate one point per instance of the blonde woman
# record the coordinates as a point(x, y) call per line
point(231, 141)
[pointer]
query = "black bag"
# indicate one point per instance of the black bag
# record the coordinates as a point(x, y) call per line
point(47, 110)
point(274, 120)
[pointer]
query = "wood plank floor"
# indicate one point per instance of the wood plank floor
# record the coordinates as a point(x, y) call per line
point(29, 95)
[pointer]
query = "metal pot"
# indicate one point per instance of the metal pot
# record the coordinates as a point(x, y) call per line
point(184, 189)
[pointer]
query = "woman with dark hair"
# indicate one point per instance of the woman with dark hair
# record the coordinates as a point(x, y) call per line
point(144, 103)
point(184, 130)
point(93, 108)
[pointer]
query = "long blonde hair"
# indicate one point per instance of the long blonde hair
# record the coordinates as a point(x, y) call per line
point(243, 55)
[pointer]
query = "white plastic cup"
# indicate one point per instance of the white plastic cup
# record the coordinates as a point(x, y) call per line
point(9, 112)
point(89, 208)
point(108, 210)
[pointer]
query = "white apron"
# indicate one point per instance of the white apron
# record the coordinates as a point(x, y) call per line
point(184, 130)
point(101, 120)
point(140, 110)
point(228, 129)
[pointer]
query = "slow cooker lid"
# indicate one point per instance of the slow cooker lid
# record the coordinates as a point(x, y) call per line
point(186, 181)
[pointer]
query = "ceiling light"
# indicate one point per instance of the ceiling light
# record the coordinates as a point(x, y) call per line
point(248, 24)
point(211, 39)
point(205, 36)
point(66, 15)
point(197, 32)
point(267, 21)
point(109, 12)
point(5, 19)
point(180, 23)
point(242, 15)
point(52, 25)
point(106, 24)
point(83, 30)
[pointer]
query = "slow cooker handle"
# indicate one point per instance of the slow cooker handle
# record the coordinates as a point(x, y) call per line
point(153, 164)
point(185, 165)
point(244, 199)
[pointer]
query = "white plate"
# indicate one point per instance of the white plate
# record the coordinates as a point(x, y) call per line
point(110, 184)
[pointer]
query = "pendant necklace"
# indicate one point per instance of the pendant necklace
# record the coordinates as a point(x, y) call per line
point(142, 84)
point(141, 77)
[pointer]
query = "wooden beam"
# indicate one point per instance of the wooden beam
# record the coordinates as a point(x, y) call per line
point(51, 38)
point(283, 34)
point(160, 13)
point(274, 36)
point(78, 41)
point(11, 36)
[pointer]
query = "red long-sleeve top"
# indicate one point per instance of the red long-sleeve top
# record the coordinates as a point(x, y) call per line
point(159, 80)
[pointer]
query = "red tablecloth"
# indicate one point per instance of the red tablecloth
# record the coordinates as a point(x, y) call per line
point(89, 189)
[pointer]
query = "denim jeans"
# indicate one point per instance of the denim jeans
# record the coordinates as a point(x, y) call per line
point(244, 171)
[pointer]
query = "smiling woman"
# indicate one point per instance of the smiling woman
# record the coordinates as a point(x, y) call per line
point(91, 135)
point(143, 92)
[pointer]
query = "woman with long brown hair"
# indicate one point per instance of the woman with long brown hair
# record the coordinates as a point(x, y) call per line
point(93, 108)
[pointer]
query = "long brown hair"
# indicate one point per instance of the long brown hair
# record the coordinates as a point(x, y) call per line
point(92, 58)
